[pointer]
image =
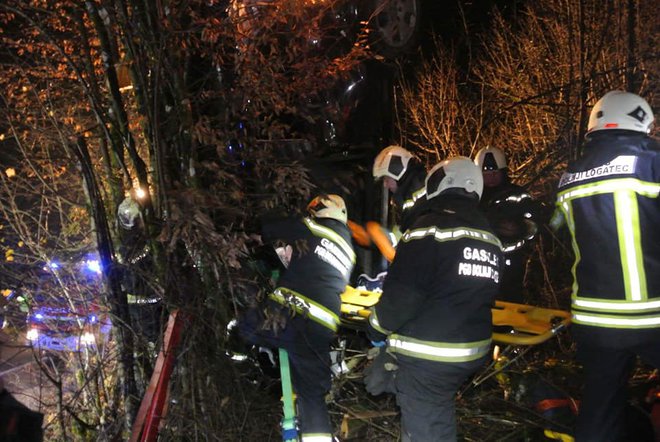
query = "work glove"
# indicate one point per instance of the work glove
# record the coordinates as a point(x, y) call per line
point(379, 376)
point(375, 350)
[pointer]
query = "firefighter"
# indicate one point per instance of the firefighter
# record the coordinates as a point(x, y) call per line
point(513, 215)
point(609, 199)
point(302, 313)
point(433, 321)
point(403, 175)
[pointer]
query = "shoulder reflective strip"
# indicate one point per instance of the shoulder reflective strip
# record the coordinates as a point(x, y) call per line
point(132, 299)
point(513, 247)
point(616, 306)
point(451, 234)
point(517, 198)
point(630, 244)
point(610, 322)
point(373, 320)
point(439, 351)
point(319, 230)
point(624, 192)
point(148, 301)
point(302, 304)
point(415, 196)
point(645, 188)
point(316, 437)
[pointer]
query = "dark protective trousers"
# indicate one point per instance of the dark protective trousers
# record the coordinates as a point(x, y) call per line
point(425, 393)
point(602, 411)
point(308, 345)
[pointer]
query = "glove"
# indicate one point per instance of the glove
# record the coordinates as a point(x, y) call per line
point(374, 351)
point(379, 376)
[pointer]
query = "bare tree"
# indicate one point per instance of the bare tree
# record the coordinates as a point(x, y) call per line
point(528, 92)
point(176, 113)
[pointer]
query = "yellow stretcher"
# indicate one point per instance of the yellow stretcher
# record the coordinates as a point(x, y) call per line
point(516, 324)
point(523, 324)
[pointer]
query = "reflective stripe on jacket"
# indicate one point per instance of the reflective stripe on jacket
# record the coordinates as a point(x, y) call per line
point(322, 260)
point(416, 195)
point(439, 290)
point(317, 437)
point(345, 257)
point(305, 306)
point(439, 351)
point(610, 202)
point(430, 350)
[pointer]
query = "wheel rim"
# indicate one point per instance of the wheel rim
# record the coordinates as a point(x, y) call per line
point(397, 21)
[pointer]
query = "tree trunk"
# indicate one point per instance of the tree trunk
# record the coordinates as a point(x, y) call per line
point(116, 297)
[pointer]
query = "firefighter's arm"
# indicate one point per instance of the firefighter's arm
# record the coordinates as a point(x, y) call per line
point(557, 220)
point(398, 305)
point(359, 234)
point(381, 237)
point(402, 298)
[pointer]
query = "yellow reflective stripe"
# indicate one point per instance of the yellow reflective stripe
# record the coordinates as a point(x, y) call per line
point(439, 351)
point(451, 235)
point(319, 230)
point(316, 437)
point(132, 299)
point(616, 321)
point(557, 220)
point(624, 192)
point(413, 199)
point(303, 305)
point(512, 247)
point(632, 261)
point(565, 208)
point(644, 188)
point(373, 320)
point(618, 306)
point(556, 435)
point(516, 198)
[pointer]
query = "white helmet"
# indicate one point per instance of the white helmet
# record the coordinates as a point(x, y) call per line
point(392, 162)
point(328, 206)
point(490, 158)
point(454, 173)
point(621, 110)
point(128, 213)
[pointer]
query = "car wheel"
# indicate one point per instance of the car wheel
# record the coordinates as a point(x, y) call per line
point(395, 26)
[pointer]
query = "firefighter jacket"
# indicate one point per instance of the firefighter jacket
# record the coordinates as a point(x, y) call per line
point(513, 214)
point(610, 201)
point(320, 267)
point(410, 192)
point(439, 290)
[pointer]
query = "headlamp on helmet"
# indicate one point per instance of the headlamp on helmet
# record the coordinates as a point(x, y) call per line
point(490, 158)
point(456, 173)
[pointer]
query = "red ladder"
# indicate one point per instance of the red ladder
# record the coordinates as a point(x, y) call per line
point(146, 425)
